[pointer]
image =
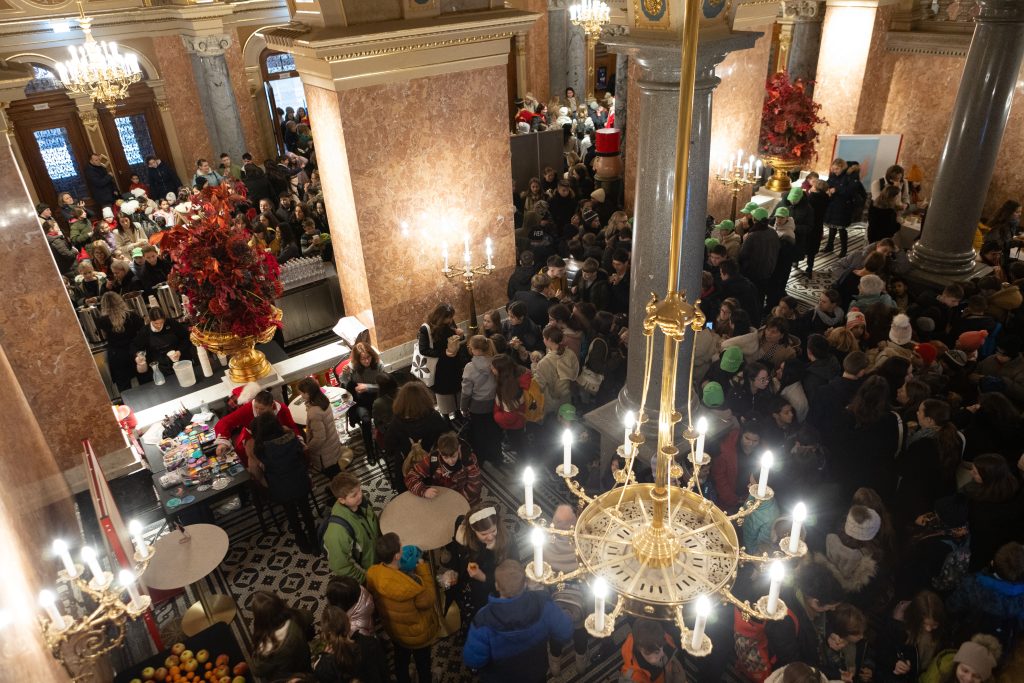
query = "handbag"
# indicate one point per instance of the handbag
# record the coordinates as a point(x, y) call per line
point(589, 380)
point(424, 367)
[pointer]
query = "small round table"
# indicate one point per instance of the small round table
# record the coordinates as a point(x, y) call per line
point(426, 523)
point(297, 406)
point(181, 560)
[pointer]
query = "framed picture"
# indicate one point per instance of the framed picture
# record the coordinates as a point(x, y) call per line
point(874, 152)
point(602, 78)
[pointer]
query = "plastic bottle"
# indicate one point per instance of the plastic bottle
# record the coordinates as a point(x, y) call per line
point(158, 377)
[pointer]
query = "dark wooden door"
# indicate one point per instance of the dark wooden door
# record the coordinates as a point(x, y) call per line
point(134, 131)
point(54, 145)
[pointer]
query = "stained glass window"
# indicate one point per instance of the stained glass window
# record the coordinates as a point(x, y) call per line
point(280, 62)
point(59, 158)
point(43, 80)
point(135, 140)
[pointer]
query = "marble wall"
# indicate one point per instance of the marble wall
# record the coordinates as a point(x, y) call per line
point(52, 363)
point(176, 67)
point(736, 115)
point(445, 177)
point(240, 86)
point(537, 72)
point(632, 135)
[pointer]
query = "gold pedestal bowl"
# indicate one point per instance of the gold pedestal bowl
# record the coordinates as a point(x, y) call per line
point(781, 167)
point(246, 364)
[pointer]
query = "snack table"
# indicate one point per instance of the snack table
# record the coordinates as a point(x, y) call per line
point(426, 523)
point(185, 559)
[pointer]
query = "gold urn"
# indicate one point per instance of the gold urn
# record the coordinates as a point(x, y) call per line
point(781, 167)
point(246, 364)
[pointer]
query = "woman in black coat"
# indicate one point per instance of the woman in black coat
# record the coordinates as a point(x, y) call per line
point(163, 342)
point(991, 426)
point(995, 508)
point(928, 467)
point(278, 454)
point(883, 214)
point(414, 420)
point(435, 341)
point(120, 325)
point(848, 196)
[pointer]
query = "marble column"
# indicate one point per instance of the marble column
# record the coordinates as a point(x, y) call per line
point(621, 92)
point(522, 73)
point(558, 45)
point(655, 148)
point(805, 17)
point(576, 62)
point(975, 132)
point(216, 96)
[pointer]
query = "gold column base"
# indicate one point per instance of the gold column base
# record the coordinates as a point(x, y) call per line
point(655, 547)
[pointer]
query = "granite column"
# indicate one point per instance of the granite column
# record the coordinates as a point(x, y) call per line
point(802, 20)
point(216, 97)
point(972, 144)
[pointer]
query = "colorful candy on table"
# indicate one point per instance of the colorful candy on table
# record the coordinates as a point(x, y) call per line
point(192, 456)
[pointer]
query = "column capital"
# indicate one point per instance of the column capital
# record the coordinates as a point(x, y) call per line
point(659, 60)
point(803, 10)
point(207, 46)
point(1000, 10)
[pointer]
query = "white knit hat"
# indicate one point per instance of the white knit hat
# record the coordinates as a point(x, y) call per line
point(900, 332)
point(866, 530)
point(108, 212)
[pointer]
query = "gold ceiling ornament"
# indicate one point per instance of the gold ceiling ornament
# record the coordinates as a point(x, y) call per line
point(97, 69)
point(659, 547)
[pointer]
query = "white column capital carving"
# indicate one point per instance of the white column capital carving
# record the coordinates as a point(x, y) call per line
point(207, 46)
point(558, 4)
point(803, 10)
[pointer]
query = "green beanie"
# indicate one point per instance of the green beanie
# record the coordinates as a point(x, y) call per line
point(750, 206)
point(713, 395)
point(795, 195)
point(759, 214)
point(567, 412)
point(710, 243)
point(782, 211)
point(732, 359)
point(726, 226)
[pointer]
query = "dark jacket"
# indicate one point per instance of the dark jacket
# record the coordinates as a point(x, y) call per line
point(284, 467)
point(787, 642)
point(519, 281)
point(922, 481)
point(291, 656)
point(993, 524)
point(151, 276)
point(759, 252)
point(597, 292)
point(537, 306)
point(257, 185)
point(743, 290)
point(829, 402)
point(101, 183)
point(848, 196)
point(161, 180)
point(987, 603)
point(371, 668)
point(864, 455)
point(129, 283)
point(561, 209)
point(401, 433)
point(528, 332)
point(508, 638)
point(818, 374)
point(173, 337)
point(64, 253)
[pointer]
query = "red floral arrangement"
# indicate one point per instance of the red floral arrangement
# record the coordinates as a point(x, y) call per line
point(788, 119)
point(230, 286)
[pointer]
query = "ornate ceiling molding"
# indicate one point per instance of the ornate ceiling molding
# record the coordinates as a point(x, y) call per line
point(921, 43)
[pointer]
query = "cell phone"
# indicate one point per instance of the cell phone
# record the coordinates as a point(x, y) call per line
point(710, 325)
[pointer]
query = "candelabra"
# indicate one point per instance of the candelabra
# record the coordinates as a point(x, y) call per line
point(468, 273)
point(659, 547)
point(591, 16)
point(736, 176)
point(100, 614)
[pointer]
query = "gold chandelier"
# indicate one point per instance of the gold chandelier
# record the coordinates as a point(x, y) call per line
point(591, 16)
point(659, 547)
point(97, 69)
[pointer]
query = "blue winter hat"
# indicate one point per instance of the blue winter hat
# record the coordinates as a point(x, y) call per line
point(410, 558)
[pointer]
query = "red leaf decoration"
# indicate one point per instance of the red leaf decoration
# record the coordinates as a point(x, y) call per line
point(788, 119)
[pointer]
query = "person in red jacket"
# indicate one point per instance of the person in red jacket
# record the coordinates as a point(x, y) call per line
point(235, 425)
point(731, 468)
point(451, 465)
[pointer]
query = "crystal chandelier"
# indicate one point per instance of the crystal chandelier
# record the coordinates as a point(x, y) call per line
point(97, 69)
point(659, 547)
point(591, 16)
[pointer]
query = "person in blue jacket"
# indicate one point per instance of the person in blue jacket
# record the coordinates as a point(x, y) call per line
point(509, 637)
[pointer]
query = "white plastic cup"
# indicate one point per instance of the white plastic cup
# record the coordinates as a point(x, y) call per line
point(185, 373)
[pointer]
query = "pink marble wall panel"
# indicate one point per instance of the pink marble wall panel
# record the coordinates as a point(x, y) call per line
point(43, 342)
point(877, 76)
point(346, 239)
point(445, 177)
point(736, 115)
point(240, 86)
point(176, 68)
point(919, 107)
point(537, 51)
point(846, 41)
point(632, 134)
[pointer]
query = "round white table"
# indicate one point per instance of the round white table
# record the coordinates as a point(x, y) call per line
point(181, 560)
point(297, 406)
point(426, 523)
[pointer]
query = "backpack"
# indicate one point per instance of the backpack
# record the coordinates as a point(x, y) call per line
point(533, 398)
point(753, 660)
point(321, 530)
point(416, 453)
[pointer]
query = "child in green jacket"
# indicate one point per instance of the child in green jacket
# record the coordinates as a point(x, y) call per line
point(352, 530)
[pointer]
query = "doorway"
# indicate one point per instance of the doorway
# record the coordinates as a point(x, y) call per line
point(134, 131)
point(283, 89)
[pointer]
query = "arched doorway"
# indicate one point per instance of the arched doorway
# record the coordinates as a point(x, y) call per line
point(134, 131)
point(283, 88)
point(51, 137)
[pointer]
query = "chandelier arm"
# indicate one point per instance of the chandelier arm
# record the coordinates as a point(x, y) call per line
point(747, 509)
point(762, 559)
point(577, 490)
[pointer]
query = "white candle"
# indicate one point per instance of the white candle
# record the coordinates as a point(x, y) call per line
point(702, 432)
point(223, 359)
point(775, 572)
point(739, 157)
point(60, 549)
point(48, 601)
point(627, 445)
point(566, 452)
point(204, 361)
point(757, 168)
point(703, 610)
point(465, 253)
point(600, 591)
point(444, 253)
point(537, 538)
point(91, 561)
point(750, 163)
point(135, 529)
point(762, 482)
point(127, 579)
point(528, 484)
point(490, 252)
point(799, 515)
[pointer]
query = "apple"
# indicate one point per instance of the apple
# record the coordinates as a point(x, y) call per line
point(222, 660)
point(147, 673)
point(187, 655)
point(224, 679)
point(238, 679)
point(241, 669)
point(222, 671)
point(172, 660)
point(189, 666)
point(202, 656)
point(177, 649)
point(139, 680)
point(160, 674)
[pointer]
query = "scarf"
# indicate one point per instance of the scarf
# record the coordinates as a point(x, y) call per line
point(922, 433)
point(831, 320)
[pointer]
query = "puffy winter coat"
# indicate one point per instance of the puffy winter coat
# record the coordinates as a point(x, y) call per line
point(322, 439)
point(555, 373)
point(759, 252)
point(478, 386)
point(348, 555)
point(405, 603)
